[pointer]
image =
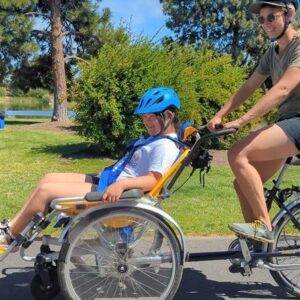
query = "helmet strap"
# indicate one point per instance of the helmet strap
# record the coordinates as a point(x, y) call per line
point(286, 23)
point(162, 120)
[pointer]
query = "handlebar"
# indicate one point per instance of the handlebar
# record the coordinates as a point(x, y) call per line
point(197, 151)
point(199, 143)
point(220, 131)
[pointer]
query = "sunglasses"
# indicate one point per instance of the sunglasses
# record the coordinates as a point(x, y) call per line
point(270, 18)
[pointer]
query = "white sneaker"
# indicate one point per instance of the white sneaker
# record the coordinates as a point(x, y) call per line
point(6, 238)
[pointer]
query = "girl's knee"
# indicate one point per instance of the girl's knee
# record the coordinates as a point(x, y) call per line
point(43, 194)
point(50, 177)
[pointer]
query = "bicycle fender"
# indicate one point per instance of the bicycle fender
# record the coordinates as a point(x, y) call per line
point(137, 205)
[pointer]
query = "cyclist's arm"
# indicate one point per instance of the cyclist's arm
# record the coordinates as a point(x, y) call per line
point(275, 96)
point(243, 93)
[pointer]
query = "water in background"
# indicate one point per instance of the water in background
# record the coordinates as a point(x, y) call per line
point(30, 107)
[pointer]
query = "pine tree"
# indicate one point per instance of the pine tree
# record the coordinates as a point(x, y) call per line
point(73, 30)
point(224, 25)
point(15, 43)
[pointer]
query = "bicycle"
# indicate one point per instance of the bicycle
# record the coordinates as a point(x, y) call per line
point(134, 249)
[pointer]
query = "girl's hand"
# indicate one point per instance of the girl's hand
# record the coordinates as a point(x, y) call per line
point(211, 125)
point(113, 192)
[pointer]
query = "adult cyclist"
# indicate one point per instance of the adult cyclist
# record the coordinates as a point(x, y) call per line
point(256, 158)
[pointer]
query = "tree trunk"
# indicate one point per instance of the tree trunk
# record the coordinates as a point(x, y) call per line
point(58, 65)
point(235, 50)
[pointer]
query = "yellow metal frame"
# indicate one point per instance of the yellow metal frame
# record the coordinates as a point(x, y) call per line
point(74, 207)
point(155, 192)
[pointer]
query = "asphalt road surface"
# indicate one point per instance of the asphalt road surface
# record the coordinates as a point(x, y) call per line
point(201, 280)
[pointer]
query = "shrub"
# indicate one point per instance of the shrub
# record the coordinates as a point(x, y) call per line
point(3, 91)
point(17, 93)
point(110, 86)
point(39, 93)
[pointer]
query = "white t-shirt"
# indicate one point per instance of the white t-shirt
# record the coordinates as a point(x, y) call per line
point(157, 156)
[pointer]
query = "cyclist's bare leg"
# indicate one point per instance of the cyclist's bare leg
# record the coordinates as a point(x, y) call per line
point(266, 170)
point(267, 144)
point(41, 198)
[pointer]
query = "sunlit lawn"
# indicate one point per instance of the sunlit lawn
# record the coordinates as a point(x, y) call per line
point(25, 156)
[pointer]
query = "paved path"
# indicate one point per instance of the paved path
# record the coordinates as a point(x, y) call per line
point(201, 280)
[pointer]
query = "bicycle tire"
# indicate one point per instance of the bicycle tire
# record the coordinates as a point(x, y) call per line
point(130, 273)
point(287, 237)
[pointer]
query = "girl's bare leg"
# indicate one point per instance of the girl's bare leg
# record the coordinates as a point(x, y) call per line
point(267, 144)
point(47, 191)
point(53, 177)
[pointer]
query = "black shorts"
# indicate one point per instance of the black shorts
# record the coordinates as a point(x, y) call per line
point(94, 180)
point(291, 127)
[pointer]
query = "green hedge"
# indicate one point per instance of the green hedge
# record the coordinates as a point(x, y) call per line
point(111, 84)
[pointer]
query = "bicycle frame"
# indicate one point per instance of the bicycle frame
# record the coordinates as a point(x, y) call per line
point(275, 194)
point(197, 156)
point(245, 252)
point(188, 257)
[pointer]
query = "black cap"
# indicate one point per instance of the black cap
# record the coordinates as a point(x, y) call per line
point(255, 7)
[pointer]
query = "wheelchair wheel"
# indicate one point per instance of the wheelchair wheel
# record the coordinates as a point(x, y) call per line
point(287, 238)
point(96, 262)
point(155, 247)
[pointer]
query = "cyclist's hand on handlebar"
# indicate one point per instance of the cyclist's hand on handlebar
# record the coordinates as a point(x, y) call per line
point(237, 124)
point(214, 124)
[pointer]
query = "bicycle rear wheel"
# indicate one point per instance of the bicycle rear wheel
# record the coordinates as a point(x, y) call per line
point(287, 238)
point(96, 262)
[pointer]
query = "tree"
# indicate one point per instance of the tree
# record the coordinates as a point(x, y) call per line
point(39, 69)
point(15, 43)
point(73, 31)
point(76, 26)
point(225, 25)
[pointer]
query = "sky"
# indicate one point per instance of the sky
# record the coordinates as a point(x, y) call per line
point(144, 16)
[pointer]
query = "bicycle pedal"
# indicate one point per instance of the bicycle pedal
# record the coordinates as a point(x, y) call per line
point(235, 269)
point(244, 271)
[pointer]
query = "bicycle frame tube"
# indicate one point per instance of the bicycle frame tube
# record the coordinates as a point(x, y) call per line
point(287, 210)
point(281, 175)
point(223, 255)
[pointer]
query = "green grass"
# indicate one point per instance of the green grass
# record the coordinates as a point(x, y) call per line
point(207, 210)
point(25, 156)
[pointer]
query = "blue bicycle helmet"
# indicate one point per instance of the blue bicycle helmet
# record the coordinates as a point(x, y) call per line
point(157, 100)
point(255, 7)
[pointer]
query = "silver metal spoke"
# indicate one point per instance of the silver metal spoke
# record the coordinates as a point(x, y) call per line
point(112, 263)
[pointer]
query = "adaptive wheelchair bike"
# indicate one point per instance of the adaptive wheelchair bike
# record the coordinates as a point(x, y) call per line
point(134, 249)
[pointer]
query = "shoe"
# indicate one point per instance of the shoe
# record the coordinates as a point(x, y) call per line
point(6, 238)
point(257, 231)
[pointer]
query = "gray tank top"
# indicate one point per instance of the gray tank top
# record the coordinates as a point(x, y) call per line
point(275, 66)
